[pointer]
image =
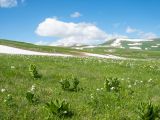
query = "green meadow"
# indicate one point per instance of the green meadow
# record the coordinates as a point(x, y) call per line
point(106, 89)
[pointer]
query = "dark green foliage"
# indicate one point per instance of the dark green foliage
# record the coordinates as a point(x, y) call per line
point(31, 98)
point(148, 112)
point(112, 84)
point(9, 100)
point(65, 84)
point(75, 84)
point(70, 86)
point(59, 108)
point(33, 71)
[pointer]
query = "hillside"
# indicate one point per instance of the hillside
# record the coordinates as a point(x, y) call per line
point(39, 48)
point(103, 49)
point(140, 44)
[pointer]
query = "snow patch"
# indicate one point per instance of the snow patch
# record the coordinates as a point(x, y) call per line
point(137, 48)
point(12, 50)
point(154, 46)
point(103, 56)
point(117, 42)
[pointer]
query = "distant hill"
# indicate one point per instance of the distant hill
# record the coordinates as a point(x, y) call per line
point(140, 44)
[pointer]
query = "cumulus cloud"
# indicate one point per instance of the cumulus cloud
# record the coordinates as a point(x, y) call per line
point(141, 34)
point(69, 33)
point(75, 15)
point(8, 3)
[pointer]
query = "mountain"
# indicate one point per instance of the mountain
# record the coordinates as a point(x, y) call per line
point(140, 44)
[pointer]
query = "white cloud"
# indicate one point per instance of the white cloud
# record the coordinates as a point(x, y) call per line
point(148, 35)
point(8, 3)
point(141, 34)
point(75, 15)
point(70, 33)
point(131, 30)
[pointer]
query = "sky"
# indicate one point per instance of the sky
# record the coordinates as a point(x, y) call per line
point(68, 22)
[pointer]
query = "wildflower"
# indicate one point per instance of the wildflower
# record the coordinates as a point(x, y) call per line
point(65, 112)
point(129, 86)
point(5, 100)
point(33, 88)
point(3, 90)
point(92, 96)
point(12, 67)
point(101, 88)
point(9, 95)
point(112, 88)
point(97, 89)
point(141, 81)
point(150, 80)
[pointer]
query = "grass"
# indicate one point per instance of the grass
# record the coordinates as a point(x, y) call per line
point(128, 53)
point(33, 47)
point(139, 82)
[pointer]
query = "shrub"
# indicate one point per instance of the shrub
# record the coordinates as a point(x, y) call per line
point(70, 86)
point(75, 84)
point(147, 111)
point(9, 100)
point(31, 98)
point(33, 71)
point(65, 84)
point(112, 84)
point(59, 108)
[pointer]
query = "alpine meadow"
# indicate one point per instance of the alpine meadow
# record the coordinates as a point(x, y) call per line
point(79, 62)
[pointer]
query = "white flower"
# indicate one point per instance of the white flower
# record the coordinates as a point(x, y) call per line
point(92, 96)
point(65, 112)
point(141, 81)
point(3, 90)
point(101, 88)
point(129, 86)
point(97, 89)
point(33, 88)
point(112, 88)
point(12, 67)
point(150, 80)
point(5, 100)
point(9, 95)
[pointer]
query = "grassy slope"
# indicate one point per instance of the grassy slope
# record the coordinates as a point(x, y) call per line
point(91, 73)
point(128, 53)
point(145, 44)
point(146, 54)
point(33, 47)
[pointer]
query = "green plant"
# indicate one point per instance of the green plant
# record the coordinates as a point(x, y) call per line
point(147, 111)
point(9, 100)
point(33, 71)
point(70, 86)
point(31, 98)
point(65, 84)
point(59, 108)
point(75, 84)
point(112, 84)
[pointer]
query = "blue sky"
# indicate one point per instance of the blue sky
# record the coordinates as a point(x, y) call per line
point(100, 19)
